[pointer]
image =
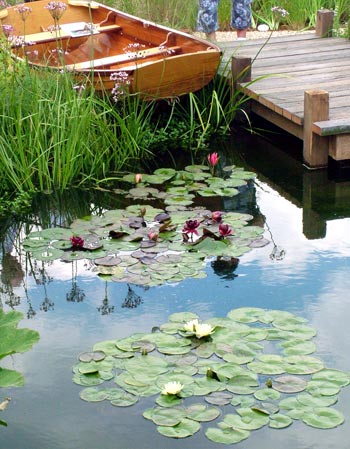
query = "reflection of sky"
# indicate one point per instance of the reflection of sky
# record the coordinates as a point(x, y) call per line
point(312, 280)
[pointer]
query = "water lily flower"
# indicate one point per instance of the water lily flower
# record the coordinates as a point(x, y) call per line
point(225, 230)
point(217, 216)
point(191, 227)
point(190, 326)
point(172, 388)
point(138, 178)
point(213, 159)
point(204, 330)
point(77, 242)
point(153, 235)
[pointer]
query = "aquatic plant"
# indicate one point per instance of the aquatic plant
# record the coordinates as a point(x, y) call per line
point(12, 341)
point(151, 246)
point(254, 369)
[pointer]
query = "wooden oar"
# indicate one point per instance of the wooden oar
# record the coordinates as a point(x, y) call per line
point(87, 4)
point(3, 13)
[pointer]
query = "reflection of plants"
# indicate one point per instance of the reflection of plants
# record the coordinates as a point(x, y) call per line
point(76, 294)
point(132, 299)
point(234, 369)
point(105, 308)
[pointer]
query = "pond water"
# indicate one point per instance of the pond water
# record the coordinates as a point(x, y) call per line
point(304, 269)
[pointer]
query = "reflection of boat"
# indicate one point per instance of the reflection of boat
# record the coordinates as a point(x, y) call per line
point(89, 38)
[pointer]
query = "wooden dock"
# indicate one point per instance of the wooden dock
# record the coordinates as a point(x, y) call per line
point(300, 83)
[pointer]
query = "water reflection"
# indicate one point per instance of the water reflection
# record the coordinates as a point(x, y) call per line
point(105, 308)
point(307, 276)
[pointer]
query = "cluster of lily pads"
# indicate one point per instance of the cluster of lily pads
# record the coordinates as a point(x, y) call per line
point(145, 245)
point(248, 370)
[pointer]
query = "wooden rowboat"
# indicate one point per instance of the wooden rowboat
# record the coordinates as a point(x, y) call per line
point(95, 41)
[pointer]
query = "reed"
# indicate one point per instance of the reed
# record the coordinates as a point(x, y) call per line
point(53, 136)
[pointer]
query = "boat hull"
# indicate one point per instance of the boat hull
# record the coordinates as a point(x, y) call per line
point(97, 43)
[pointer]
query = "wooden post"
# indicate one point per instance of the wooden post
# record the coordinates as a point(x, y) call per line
point(241, 67)
point(324, 23)
point(316, 108)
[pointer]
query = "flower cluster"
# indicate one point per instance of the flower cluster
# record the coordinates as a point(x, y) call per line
point(23, 11)
point(7, 30)
point(278, 11)
point(3, 4)
point(199, 330)
point(121, 85)
point(56, 9)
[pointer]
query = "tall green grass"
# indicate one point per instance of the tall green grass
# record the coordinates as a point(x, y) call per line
point(53, 136)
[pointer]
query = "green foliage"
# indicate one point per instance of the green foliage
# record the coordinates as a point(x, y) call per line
point(13, 341)
point(53, 136)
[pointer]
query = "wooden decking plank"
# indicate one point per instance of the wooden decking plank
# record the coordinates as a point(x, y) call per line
point(283, 69)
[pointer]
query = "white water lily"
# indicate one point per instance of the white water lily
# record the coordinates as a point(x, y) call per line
point(203, 330)
point(190, 326)
point(172, 388)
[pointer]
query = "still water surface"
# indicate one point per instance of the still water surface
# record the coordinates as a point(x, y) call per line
point(305, 269)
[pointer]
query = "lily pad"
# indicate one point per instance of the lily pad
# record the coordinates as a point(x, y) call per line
point(289, 384)
point(202, 413)
point(186, 428)
point(226, 436)
point(323, 418)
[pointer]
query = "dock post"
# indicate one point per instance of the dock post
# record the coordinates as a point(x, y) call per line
point(316, 108)
point(241, 67)
point(324, 23)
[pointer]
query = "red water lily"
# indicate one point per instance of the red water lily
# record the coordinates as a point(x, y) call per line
point(77, 242)
point(191, 227)
point(225, 230)
point(217, 216)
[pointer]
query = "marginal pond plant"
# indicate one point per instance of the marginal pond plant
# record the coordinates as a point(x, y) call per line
point(147, 245)
point(243, 372)
point(12, 341)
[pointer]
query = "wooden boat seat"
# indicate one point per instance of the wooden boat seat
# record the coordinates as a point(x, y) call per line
point(123, 58)
point(48, 36)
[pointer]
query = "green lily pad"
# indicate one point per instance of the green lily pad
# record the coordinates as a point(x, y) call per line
point(219, 398)
point(226, 436)
point(280, 421)
point(202, 413)
point(93, 395)
point(125, 400)
point(323, 418)
point(266, 393)
point(289, 384)
point(186, 428)
point(303, 364)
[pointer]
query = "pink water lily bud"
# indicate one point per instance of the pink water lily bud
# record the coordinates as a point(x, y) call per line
point(216, 216)
point(225, 230)
point(153, 235)
point(213, 159)
point(138, 178)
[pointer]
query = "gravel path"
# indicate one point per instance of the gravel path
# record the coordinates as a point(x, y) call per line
point(228, 36)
